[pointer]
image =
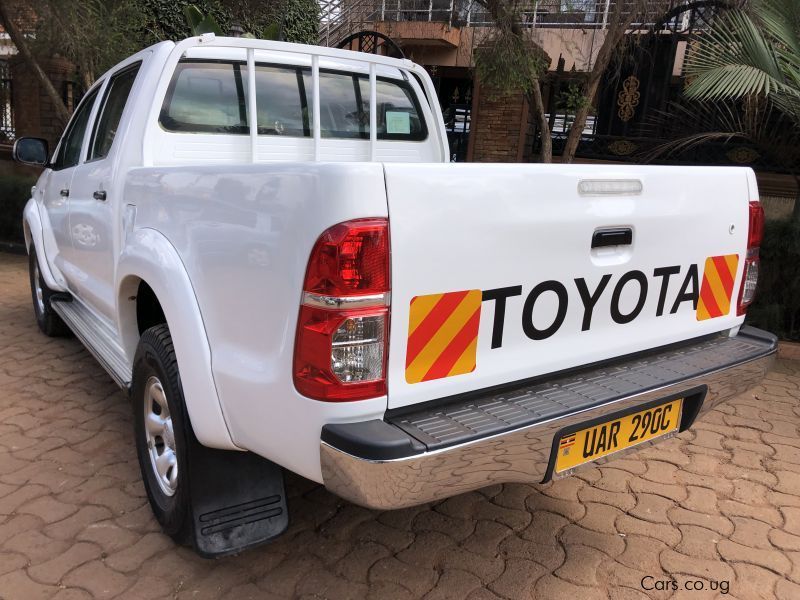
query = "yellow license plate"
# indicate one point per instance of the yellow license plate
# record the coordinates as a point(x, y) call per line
point(589, 444)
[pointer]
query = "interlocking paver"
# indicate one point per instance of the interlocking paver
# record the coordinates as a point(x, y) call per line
point(582, 566)
point(755, 582)
point(54, 569)
point(355, 566)
point(674, 563)
point(774, 560)
point(621, 500)
point(454, 583)
point(666, 533)
point(786, 590)
point(721, 502)
point(785, 541)
point(518, 579)
point(418, 581)
point(11, 561)
point(612, 545)
point(16, 585)
point(642, 553)
point(698, 541)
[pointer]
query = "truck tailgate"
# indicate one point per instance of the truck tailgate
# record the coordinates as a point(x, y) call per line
point(501, 273)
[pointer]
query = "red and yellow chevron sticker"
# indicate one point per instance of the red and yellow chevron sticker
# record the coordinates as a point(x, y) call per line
point(717, 287)
point(442, 335)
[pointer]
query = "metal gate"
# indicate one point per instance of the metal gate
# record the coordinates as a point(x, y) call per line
point(7, 132)
point(455, 98)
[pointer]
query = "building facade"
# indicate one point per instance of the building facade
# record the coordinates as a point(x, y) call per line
point(25, 107)
point(626, 122)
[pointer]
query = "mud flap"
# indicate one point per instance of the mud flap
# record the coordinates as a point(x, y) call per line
point(238, 501)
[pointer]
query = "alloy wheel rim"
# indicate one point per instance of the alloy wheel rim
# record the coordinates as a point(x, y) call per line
point(37, 287)
point(160, 437)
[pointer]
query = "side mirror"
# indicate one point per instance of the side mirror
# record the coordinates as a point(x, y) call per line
point(30, 151)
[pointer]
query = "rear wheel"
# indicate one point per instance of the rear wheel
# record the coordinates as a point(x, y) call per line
point(46, 318)
point(218, 500)
point(163, 432)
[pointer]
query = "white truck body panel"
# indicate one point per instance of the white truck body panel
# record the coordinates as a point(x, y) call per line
point(492, 226)
point(244, 234)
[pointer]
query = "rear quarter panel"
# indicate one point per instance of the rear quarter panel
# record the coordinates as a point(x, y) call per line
point(244, 234)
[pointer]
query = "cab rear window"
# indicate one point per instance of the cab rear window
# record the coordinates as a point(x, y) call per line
point(210, 97)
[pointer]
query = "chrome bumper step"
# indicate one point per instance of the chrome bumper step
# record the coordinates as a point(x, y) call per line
point(463, 420)
point(460, 444)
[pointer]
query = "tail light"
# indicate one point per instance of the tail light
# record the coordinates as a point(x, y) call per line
point(755, 234)
point(342, 332)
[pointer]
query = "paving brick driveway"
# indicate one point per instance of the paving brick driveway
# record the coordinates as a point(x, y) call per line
point(720, 503)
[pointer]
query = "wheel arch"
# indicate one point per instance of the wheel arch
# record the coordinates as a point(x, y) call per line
point(32, 228)
point(139, 310)
point(26, 232)
point(150, 262)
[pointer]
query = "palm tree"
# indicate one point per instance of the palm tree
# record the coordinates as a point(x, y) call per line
point(746, 70)
point(745, 80)
point(750, 52)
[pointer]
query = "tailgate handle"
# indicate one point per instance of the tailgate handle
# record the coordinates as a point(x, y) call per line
point(622, 236)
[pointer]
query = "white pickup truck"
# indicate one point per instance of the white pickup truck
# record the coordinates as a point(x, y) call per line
point(265, 245)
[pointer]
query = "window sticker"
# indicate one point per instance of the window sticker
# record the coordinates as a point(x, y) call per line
point(398, 122)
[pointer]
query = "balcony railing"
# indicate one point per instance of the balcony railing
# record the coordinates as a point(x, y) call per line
point(584, 14)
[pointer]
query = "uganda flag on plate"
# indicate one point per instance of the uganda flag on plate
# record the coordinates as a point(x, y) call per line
point(717, 287)
point(442, 335)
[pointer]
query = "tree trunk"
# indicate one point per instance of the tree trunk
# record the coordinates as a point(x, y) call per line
point(88, 79)
point(499, 13)
point(796, 210)
point(544, 127)
point(18, 38)
point(613, 38)
point(619, 20)
point(575, 132)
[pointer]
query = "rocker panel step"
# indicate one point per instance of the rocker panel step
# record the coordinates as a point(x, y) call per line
point(98, 338)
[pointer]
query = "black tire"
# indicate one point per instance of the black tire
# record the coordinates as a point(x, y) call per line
point(155, 358)
point(47, 319)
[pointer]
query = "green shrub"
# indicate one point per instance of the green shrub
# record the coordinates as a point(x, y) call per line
point(15, 190)
point(300, 21)
point(297, 20)
point(777, 304)
point(165, 20)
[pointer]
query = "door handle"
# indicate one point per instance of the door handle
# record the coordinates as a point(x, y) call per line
point(100, 195)
point(64, 192)
point(622, 236)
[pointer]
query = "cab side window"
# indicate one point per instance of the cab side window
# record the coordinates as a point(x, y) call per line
point(69, 151)
point(117, 92)
point(206, 97)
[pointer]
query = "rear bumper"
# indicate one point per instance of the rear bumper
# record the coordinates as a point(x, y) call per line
point(502, 436)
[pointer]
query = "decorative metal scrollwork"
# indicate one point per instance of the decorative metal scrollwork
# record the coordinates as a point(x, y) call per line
point(622, 147)
point(742, 155)
point(373, 42)
point(628, 98)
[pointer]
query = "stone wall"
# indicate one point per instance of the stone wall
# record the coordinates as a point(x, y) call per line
point(501, 127)
point(33, 110)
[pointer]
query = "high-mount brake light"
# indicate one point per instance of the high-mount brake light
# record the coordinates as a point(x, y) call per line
point(755, 234)
point(342, 330)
